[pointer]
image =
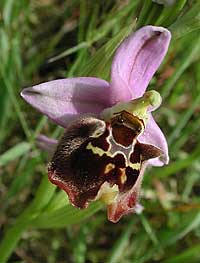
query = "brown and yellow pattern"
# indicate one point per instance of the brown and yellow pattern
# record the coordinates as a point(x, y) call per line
point(93, 152)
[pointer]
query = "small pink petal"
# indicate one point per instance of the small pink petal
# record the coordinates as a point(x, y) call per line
point(138, 208)
point(45, 143)
point(136, 61)
point(154, 136)
point(62, 99)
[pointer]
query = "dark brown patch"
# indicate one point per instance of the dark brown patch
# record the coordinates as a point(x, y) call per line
point(132, 175)
point(125, 128)
point(144, 152)
point(149, 151)
point(101, 141)
point(84, 171)
point(80, 172)
point(135, 156)
point(122, 135)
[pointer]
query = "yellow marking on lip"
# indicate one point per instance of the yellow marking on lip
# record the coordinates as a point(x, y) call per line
point(100, 152)
point(97, 150)
point(109, 167)
point(123, 176)
point(135, 166)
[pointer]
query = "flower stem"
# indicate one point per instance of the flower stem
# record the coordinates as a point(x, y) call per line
point(13, 235)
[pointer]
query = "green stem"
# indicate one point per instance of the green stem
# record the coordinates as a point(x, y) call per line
point(13, 235)
point(121, 244)
point(147, 5)
point(170, 14)
point(15, 102)
point(154, 14)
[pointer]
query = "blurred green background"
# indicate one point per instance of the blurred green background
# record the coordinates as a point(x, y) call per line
point(50, 39)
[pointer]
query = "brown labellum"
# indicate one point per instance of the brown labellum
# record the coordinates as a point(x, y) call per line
point(93, 152)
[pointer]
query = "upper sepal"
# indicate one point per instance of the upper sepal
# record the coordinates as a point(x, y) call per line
point(136, 60)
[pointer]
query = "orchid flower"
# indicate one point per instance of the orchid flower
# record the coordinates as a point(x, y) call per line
point(110, 134)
